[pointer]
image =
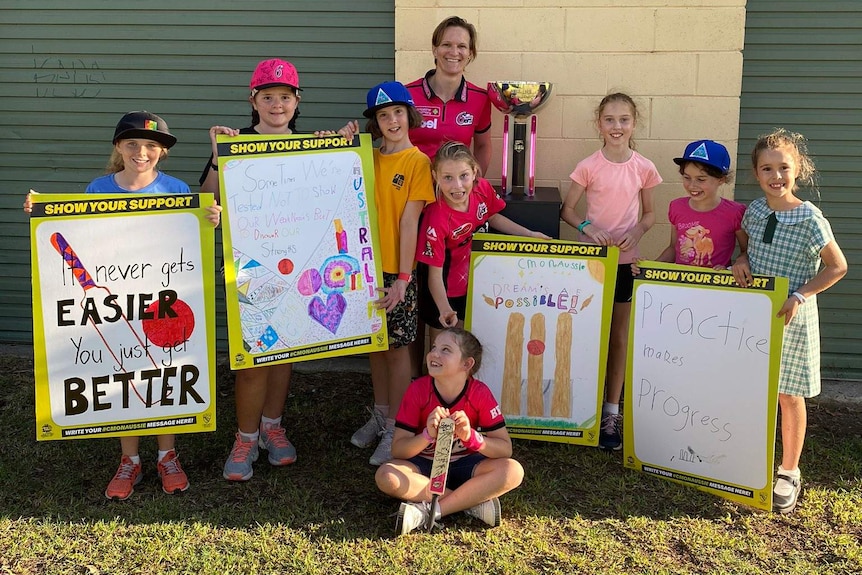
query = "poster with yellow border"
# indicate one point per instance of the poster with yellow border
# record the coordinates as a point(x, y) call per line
point(301, 248)
point(702, 397)
point(542, 310)
point(123, 314)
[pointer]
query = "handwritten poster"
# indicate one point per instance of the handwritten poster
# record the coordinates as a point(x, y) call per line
point(542, 310)
point(300, 240)
point(702, 397)
point(123, 314)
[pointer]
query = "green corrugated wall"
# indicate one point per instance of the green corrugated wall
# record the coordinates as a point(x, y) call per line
point(803, 70)
point(70, 68)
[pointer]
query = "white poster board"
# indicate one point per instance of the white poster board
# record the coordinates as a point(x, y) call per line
point(702, 399)
point(300, 242)
point(542, 312)
point(123, 316)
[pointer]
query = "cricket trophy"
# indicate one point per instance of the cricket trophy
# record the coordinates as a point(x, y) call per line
point(521, 100)
point(534, 208)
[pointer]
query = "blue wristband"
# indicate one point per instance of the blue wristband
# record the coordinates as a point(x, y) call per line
point(582, 225)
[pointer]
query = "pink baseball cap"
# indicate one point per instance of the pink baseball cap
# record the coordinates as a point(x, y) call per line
point(271, 73)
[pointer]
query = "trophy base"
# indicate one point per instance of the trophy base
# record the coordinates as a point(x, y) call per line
point(540, 212)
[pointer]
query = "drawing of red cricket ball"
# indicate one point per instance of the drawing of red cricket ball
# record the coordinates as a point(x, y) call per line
point(170, 330)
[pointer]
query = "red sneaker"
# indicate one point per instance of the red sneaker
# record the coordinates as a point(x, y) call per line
point(174, 479)
point(123, 484)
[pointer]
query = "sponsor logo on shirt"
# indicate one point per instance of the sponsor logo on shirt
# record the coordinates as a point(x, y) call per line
point(398, 181)
point(429, 251)
point(430, 124)
point(431, 234)
point(495, 412)
point(464, 119)
point(463, 229)
point(428, 111)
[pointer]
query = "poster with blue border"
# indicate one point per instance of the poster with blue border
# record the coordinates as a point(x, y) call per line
point(300, 248)
point(701, 399)
point(542, 310)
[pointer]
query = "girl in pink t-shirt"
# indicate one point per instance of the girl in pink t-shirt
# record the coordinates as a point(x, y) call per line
point(618, 185)
point(706, 227)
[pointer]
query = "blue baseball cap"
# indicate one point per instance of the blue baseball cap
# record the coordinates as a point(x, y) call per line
point(386, 94)
point(706, 152)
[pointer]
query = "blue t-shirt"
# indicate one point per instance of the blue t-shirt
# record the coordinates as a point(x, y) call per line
point(163, 184)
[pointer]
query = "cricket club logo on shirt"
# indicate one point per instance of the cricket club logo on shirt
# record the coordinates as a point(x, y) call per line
point(481, 211)
point(464, 119)
point(398, 181)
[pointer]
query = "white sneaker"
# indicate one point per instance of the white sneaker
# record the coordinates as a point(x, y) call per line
point(487, 511)
point(412, 516)
point(366, 435)
point(383, 453)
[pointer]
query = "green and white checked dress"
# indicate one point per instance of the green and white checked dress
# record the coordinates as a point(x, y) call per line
point(800, 236)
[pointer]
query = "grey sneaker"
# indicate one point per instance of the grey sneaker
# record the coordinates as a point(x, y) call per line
point(366, 435)
point(238, 466)
point(383, 453)
point(487, 511)
point(275, 442)
point(412, 516)
point(785, 494)
point(611, 432)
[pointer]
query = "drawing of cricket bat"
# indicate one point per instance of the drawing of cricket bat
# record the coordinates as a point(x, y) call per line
point(116, 332)
point(440, 465)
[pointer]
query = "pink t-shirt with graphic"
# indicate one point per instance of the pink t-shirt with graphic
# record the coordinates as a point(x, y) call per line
point(613, 194)
point(705, 239)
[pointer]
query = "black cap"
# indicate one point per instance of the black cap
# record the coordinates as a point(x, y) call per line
point(144, 125)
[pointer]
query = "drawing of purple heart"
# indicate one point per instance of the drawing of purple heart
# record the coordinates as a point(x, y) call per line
point(328, 314)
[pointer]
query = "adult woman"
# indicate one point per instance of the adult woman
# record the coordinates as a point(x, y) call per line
point(452, 107)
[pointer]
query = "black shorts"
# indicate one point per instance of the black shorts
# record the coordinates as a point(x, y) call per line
point(401, 322)
point(625, 284)
point(460, 470)
point(431, 315)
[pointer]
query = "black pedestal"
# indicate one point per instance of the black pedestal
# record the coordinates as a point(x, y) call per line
point(539, 213)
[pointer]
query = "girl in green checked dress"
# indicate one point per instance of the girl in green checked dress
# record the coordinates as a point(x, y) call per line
point(790, 237)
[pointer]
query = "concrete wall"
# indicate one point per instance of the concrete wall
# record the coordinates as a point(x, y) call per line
point(680, 59)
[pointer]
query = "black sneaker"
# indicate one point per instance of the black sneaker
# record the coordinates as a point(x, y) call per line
point(785, 504)
point(611, 433)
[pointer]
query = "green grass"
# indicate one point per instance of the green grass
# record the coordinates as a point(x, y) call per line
point(579, 510)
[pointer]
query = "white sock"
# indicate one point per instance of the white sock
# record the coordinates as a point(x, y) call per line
point(162, 454)
point(249, 437)
point(267, 423)
point(382, 410)
point(610, 408)
point(136, 459)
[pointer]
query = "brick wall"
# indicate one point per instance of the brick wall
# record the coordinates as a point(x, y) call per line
point(680, 59)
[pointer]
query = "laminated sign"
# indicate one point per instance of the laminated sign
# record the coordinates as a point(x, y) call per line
point(300, 248)
point(702, 395)
point(123, 314)
point(542, 310)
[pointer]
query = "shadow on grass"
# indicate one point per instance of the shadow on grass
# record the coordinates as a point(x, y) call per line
point(329, 492)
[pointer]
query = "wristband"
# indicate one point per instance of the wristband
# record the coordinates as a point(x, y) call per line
point(213, 167)
point(476, 441)
point(428, 437)
point(405, 277)
point(799, 296)
point(582, 225)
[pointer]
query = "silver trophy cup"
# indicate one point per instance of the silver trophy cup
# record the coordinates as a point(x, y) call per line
point(521, 100)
